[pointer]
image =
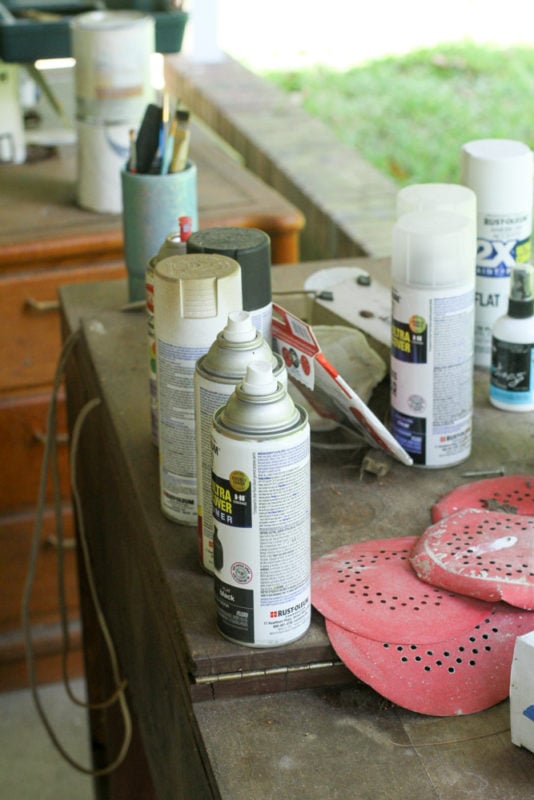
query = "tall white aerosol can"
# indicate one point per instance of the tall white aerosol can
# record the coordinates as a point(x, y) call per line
point(193, 295)
point(173, 245)
point(512, 357)
point(261, 510)
point(433, 284)
point(500, 172)
point(216, 375)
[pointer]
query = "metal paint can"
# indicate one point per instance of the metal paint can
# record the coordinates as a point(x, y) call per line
point(261, 513)
point(193, 295)
point(174, 245)
point(216, 375)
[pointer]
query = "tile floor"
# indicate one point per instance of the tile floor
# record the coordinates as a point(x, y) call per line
point(30, 766)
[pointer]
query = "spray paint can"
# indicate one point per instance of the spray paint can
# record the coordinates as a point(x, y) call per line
point(433, 284)
point(174, 244)
point(216, 375)
point(251, 248)
point(500, 172)
point(193, 295)
point(261, 513)
point(512, 357)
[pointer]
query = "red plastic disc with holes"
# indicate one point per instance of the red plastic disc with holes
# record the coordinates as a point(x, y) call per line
point(371, 589)
point(512, 494)
point(465, 674)
point(483, 554)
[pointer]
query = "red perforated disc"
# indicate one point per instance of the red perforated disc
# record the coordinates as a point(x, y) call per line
point(483, 554)
point(465, 674)
point(512, 494)
point(370, 588)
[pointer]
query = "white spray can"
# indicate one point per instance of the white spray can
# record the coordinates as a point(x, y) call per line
point(433, 284)
point(193, 295)
point(217, 374)
point(261, 510)
point(500, 172)
point(512, 358)
point(174, 244)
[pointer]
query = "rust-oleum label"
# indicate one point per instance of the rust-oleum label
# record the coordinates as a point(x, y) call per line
point(261, 537)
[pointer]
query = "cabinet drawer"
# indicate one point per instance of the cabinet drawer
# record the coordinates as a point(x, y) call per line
point(22, 430)
point(29, 321)
point(16, 534)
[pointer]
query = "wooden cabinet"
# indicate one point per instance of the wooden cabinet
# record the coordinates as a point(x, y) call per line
point(30, 333)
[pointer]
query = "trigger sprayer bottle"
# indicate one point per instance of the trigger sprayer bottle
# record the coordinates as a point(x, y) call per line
point(512, 350)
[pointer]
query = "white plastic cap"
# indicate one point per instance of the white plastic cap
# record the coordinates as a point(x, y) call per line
point(239, 327)
point(500, 172)
point(433, 249)
point(259, 379)
point(437, 197)
point(440, 197)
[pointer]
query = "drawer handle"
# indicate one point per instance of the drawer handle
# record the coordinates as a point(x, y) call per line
point(40, 436)
point(53, 541)
point(41, 306)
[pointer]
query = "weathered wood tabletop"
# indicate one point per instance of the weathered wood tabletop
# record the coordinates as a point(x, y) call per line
point(221, 720)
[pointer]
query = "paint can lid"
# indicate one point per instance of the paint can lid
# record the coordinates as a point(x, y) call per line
point(440, 197)
point(251, 248)
point(433, 249)
point(500, 172)
point(197, 286)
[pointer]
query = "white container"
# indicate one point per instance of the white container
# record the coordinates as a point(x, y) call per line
point(522, 692)
point(433, 285)
point(500, 172)
point(103, 149)
point(193, 295)
point(113, 51)
point(12, 140)
point(261, 513)
point(512, 350)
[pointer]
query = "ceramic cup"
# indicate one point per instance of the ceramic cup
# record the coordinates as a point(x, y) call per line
point(151, 206)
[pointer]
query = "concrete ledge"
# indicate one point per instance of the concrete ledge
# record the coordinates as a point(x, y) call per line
point(349, 206)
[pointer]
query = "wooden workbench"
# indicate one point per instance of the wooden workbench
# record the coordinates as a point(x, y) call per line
point(217, 720)
point(41, 222)
point(47, 240)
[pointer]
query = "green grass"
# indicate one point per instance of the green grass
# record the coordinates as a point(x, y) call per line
point(410, 115)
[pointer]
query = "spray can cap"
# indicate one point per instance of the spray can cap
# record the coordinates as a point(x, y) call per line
point(239, 327)
point(521, 301)
point(433, 249)
point(259, 379)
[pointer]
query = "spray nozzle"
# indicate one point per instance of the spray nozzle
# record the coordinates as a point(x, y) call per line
point(239, 327)
point(259, 379)
point(521, 303)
